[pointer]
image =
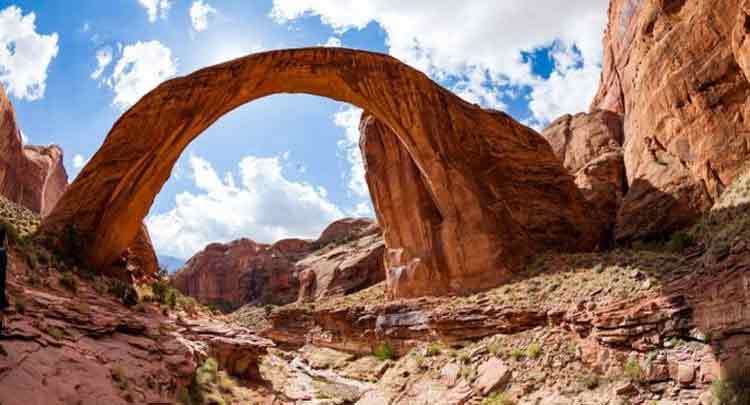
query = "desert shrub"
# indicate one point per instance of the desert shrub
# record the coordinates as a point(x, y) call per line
point(123, 291)
point(159, 290)
point(70, 281)
point(632, 370)
point(120, 377)
point(734, 386)
point(498, 398)
point(680, 241)
point(534, 350)
point(71, 244)
point(433, 349)
point(12, 233)
point(516, 354)
point(56, 333)
point(383, 351)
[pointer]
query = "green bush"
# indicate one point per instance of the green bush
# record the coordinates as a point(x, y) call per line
point(680, 241)
point(123, 291)
point(70, 281)
point(383, 351)
point(632, 370)
point(498, 398)
point(433, 349)
point(534, 351)
point(516, 354)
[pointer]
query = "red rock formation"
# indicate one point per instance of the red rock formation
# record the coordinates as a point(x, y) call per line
point(32, 176)
point(498, 187)
point(590, 147)
point(346, 258)
point(673, 69)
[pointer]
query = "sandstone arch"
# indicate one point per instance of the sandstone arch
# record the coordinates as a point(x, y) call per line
point(497, 188)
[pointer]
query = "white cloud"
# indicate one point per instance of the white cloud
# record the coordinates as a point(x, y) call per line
point(25, 55)
point(479, 45)
point(333, 42)
point(569, 89)
point(142, 66)
point(362, 210)
point(264, 206)
point(348, 119)
point(103, 59)
point(24, 138)
point(156, 9)
point(86, 27)
point(199, 14)
point(79, 161)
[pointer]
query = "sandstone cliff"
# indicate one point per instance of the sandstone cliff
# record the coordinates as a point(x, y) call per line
point(346, 258)
point(674, 70)
point(32, 176)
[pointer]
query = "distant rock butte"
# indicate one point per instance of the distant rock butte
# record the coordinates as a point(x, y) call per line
point(500, 192)
point(346, 258)
point(677, 73)
point(33, 176)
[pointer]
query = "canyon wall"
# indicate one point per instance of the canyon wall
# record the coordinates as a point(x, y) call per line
point(676, 71)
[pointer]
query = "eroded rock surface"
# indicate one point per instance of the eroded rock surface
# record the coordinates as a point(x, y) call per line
point(499, 189)
point(33, 176)
point(346, 258)
point(674, 69)
point(590, 147)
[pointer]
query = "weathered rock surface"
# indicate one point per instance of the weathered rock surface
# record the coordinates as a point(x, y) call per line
point(499, 189)
point(674, 69)
point(590, 147)
point(33, 176)
point(87, 348)
point(346, 258)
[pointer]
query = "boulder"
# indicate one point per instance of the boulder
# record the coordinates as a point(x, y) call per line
point(674, 70)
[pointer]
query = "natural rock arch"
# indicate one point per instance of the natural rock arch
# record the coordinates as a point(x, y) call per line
point(496, 185)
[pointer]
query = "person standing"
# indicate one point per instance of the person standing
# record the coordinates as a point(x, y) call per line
point(3, 275)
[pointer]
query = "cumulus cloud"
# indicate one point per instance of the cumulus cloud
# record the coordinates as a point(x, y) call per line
point(333, 42)
point(348, 119)
point(264, 205)
point(199, 15)
point(103, 59)
point(25, 55)
point(480, 45)
point(142, 66)
point(156, 8)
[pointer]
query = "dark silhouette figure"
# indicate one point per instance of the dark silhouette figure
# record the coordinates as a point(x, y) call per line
point(3, 276)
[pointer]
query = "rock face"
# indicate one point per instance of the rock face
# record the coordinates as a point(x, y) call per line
point(590, 147)
point(346, 258)
point(674, 70)
point(500, 191)
point(32, 176)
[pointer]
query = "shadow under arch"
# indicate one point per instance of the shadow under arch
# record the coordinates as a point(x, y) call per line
point(500, 191)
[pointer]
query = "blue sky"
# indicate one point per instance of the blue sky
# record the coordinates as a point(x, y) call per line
point(285, 165)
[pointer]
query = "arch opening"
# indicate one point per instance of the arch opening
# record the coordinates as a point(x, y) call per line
point(499, 190)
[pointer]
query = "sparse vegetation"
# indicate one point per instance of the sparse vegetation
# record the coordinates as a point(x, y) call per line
point(20, 306)
point(632, 370)
point(55, 332)
point(383, 351)
point(589, 381)
point(517, 354)
point(70, 281)
point(534, 350)
point(734, 386)
point(120, 377)
point(433, 349)
point(498, 398)
point(680, 241)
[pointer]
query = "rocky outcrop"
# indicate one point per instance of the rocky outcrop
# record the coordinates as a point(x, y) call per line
point(346, 258)
point(590, 147)
point(60, 347)
point(674, 70)
point(33, 176)
point(500, 191)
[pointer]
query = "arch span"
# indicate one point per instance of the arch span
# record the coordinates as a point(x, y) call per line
point(496, 186)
